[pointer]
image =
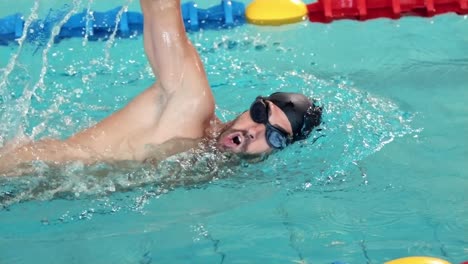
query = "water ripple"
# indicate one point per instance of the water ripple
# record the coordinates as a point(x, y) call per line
point(356, 123)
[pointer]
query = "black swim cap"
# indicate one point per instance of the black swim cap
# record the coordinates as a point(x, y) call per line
point(302, 113)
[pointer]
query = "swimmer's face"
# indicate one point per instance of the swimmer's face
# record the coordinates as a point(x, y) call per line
point(245, 136)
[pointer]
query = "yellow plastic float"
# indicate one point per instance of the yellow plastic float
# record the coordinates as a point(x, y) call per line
point(418, 260)
point(275, 12)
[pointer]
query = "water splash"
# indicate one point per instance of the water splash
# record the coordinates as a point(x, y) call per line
point(190, 169)
point(356, 124)
point(111, 40)
point(89, 18)
point(12, 62)
point(16, 109)
point(45, 61)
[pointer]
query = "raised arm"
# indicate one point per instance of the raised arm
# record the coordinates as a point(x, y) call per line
point(167, 47)
point(179, 105)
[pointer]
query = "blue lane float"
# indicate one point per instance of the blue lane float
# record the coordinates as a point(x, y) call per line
point(227, 14)
point(100, 25)
point(11, 28)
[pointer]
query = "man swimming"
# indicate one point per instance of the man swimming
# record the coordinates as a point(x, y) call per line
point(174, 113)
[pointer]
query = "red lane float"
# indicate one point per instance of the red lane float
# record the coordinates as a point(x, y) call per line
point(326, 11)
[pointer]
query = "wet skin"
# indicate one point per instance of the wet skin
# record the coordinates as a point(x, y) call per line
point(246, 136)
point(169, 117)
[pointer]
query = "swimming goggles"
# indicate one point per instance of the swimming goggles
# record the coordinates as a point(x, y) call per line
point(276, 137)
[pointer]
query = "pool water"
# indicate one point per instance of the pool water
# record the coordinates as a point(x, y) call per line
point(386, 177)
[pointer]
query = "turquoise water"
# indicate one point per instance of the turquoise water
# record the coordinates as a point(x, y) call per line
point(385, 178)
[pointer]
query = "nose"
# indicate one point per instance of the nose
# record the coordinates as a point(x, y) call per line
point(255, 131)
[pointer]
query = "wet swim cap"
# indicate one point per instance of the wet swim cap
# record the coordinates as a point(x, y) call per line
point(301, 112)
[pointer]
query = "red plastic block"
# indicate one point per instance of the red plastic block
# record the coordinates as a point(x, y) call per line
point(328, 10)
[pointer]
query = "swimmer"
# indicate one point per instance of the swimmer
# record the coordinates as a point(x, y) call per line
point(174, 114)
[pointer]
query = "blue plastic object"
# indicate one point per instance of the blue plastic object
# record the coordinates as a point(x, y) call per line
point(11, 28)
point(225, 15)
point(100, 25)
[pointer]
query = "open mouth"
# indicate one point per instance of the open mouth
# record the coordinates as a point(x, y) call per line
point(237, 140)
point(233, 141)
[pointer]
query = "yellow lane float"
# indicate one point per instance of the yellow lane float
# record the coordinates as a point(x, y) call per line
point(418, 260)
point(275, 12)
